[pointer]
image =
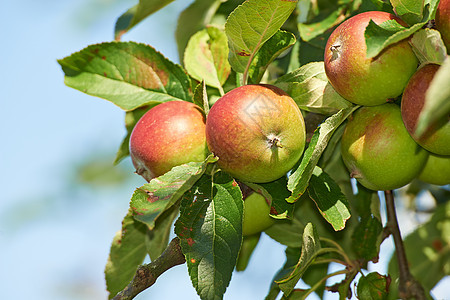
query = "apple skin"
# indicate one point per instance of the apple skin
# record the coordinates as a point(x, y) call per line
point(443, 22)
point(436, 138)
point(256, 214)
point(437, 170)
point(257, 132)
point(168, 135)
point(378, 150)
point(361, 80)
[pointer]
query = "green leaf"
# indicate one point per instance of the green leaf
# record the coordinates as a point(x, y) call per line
point(206, 57)
point(210, 232)
point(428, 46)
point(136, 14)
point(310, 249)
point(194, 18)
point(201, 97)
point(437, 99)
point(330, 201)
point(373, 286)
point(249, 244)
point(151, 200)
point(409, 10)
point(127, 253)
point(299, 180)
point(279, 42)
point(292, 257)
point(310, 89)
point(427, 250)
point(250, 25)
point(313, 30)
point(128, 74)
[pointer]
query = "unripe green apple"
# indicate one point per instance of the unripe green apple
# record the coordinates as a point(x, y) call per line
point(436, 138)
point(168, 135)
point(378, 150)
point(362, 80)
point(443, 22)
point(257, 132)
point(437, 170)
point(256, 214)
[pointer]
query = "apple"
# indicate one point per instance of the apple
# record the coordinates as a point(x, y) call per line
point(168, 135)
point(443, 21)
point(378, 150)
point(256, 214)
point(436, 138)
point(257, 132)
point(437, 170)
point(362, 80)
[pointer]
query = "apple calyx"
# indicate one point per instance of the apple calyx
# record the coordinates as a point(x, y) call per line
point(274, 142)
point(335, 51)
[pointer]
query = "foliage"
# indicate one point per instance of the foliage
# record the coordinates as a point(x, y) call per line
point(321, 218)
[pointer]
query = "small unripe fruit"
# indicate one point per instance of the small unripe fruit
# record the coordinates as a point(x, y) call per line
point(168, 135)
point(437, 170)
point(362, 80)
point(256, 214)
point(378, 150)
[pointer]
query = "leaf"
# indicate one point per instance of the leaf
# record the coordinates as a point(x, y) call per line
point(194, 18)
point(201, 97)
point(313, 30)
point(409, 10)
point(330, 201)
point(277, 44)
point(310, 248)
point(136, 14)
point(127, 253)
point(206, 57)
point(373, 286)
point(428, 251)
point(310, 89)
point(299, 179)
point(128, 74)
point(250, 25)
point(249, 244)
point(151, 200)
point(437, 99)
point(428, 46)
point(210, 232)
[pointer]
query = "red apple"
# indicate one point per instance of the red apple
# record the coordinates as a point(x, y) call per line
point(257, 132)
point(362, 80)
point(436, 139)
point(443, 22)
point(168, 135)
point(378, 150)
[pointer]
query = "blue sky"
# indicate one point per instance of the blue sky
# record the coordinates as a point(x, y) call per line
point(55, 236)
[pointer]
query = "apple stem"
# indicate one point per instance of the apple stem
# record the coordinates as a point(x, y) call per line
point(408, 286)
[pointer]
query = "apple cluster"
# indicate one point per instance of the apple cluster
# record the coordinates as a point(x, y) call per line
point(379, 145)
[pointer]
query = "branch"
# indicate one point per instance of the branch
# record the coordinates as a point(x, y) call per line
point(146, 275)
point(408, 286)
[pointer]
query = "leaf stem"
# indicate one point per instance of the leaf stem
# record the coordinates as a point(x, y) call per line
point(146, 275)
point(408, 286)
point(321, 281)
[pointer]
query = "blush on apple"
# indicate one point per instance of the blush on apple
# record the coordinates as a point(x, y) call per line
point(257, 132)
point(362, 80)
point(168, 135)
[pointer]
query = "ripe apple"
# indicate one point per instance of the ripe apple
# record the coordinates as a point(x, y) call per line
point(362, 80)
point(443, 22)
point(257, 132)
point(168, 135)
point(256, 214)
point(436, 139)
point(437, 170)
point(378, 150)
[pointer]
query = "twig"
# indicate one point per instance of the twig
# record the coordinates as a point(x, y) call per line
point(146, 275)
point(408, 286)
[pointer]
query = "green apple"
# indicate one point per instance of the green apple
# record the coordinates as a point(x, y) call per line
point(256, 214)
point(443, 21)
point(362, 80)
point(437, 170)
point(436, 138)
point(257, 132)
point(168, 135)
point(378, 150)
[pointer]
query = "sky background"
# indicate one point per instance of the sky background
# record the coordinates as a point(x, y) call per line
point(55, 226)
